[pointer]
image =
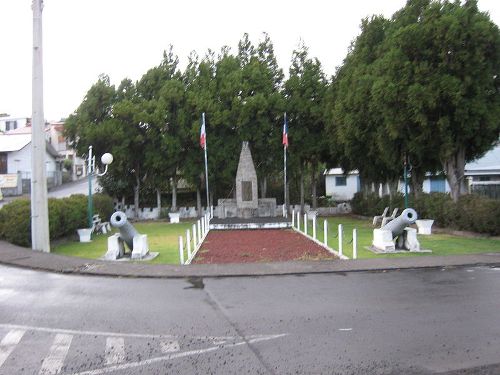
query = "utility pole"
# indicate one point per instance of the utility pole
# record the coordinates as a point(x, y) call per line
point(39, 204)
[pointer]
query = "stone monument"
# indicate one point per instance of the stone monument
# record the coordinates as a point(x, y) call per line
point(247, 203)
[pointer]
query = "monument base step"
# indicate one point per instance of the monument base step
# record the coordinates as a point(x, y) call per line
point(251, 223)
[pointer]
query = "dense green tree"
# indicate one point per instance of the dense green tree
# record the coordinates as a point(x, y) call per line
point(305, 92)
point(437, 85)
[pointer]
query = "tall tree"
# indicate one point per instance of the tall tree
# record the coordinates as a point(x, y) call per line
point(305, 92)
point(437, 84)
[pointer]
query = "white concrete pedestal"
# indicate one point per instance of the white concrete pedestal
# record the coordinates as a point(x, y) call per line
point(141, 247)
point(116, 247)
point(424, 226)
point(174, 217)
point(382, 240)
point(84, 234)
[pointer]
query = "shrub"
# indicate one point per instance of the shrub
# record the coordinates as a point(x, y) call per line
point(471, 212)
point(65, 217)
point(75, 213)
point(15, 222)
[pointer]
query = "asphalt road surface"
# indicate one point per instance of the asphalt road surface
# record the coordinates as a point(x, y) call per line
point(75, 187)
point(444, 321)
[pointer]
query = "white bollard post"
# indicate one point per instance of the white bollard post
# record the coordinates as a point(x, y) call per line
point(207, 223)
point(188, 243)
point(202, 228)
point(293, 218)
point(314, 227)
point(198, 223)
point(194, 237)
point(211, 212)
point(181, 250)
point(325, 232)
point(340, 239)
point(298, 220)
point(354, 244)
point(305, 224)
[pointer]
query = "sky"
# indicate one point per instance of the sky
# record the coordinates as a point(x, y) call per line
point(123, 38)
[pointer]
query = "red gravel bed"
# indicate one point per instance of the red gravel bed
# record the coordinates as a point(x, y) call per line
point(249, 246)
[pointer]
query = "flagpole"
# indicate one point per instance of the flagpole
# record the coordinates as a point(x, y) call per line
point(206, 164)
point(284, 204)
point(285, 211)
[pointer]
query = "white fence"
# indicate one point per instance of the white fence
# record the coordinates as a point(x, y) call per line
point(191, 243)
point(303, 228)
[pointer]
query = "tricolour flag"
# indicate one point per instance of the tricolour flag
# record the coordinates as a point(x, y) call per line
point(203, 134)
point(285, 133)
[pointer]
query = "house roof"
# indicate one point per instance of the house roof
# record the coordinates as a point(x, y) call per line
point(338, 172)
point(14, 142)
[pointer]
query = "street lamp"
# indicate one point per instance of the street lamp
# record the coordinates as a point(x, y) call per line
point(106, 159)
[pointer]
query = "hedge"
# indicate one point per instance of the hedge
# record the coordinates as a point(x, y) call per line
point(471, 213)
point(66, 215)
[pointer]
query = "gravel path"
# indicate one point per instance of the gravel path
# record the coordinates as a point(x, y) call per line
point(248, 246)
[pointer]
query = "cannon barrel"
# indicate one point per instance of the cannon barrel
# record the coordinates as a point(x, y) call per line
point(127, 230)
point(398, 225)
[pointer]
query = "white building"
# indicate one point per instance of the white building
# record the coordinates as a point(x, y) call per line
point(8, 123)
point(15, 164)
point(55, 136)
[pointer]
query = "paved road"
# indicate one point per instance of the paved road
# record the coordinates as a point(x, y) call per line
point(399, 322)
point(76, 187)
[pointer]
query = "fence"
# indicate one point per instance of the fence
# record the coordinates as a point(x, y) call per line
point(490, 189)
point(189, 246)
point(306, 222)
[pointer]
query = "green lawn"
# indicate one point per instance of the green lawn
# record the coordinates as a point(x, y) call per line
point(440, 244)
point(163, 238)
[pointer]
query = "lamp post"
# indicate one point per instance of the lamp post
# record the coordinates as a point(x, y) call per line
point(106, 159)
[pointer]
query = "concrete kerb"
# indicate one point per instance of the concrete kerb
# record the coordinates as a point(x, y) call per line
point(25, 258)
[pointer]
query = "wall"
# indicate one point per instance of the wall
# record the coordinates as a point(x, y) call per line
point(341, 192)
point(21, 161)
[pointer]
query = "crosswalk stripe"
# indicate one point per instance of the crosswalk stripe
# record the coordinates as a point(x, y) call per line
point(53, 363)
point(169, 346)
point(115, 350)
point(9, 342)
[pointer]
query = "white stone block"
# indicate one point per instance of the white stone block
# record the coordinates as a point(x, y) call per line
point(174, 217)
point(84, 234)
point(382, 239)
point(411, 241)
point(116, 247)
point(141, 247)
point(424, 226)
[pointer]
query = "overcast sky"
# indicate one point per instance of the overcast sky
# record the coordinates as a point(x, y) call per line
point(125, 38)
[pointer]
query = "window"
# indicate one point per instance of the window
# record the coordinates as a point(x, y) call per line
point(438, 185)
point(3, 163)
point(340, 181)
point(10, 125)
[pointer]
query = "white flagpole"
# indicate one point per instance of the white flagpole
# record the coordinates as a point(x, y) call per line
point(206, 164)
point(285, 211)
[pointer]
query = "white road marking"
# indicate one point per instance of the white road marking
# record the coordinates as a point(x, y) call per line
point(345, 329)
point(8, 344)
point(108, 334)
point(115, 350)
point(131, 365)
point(169, 346)
point(53, 363)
